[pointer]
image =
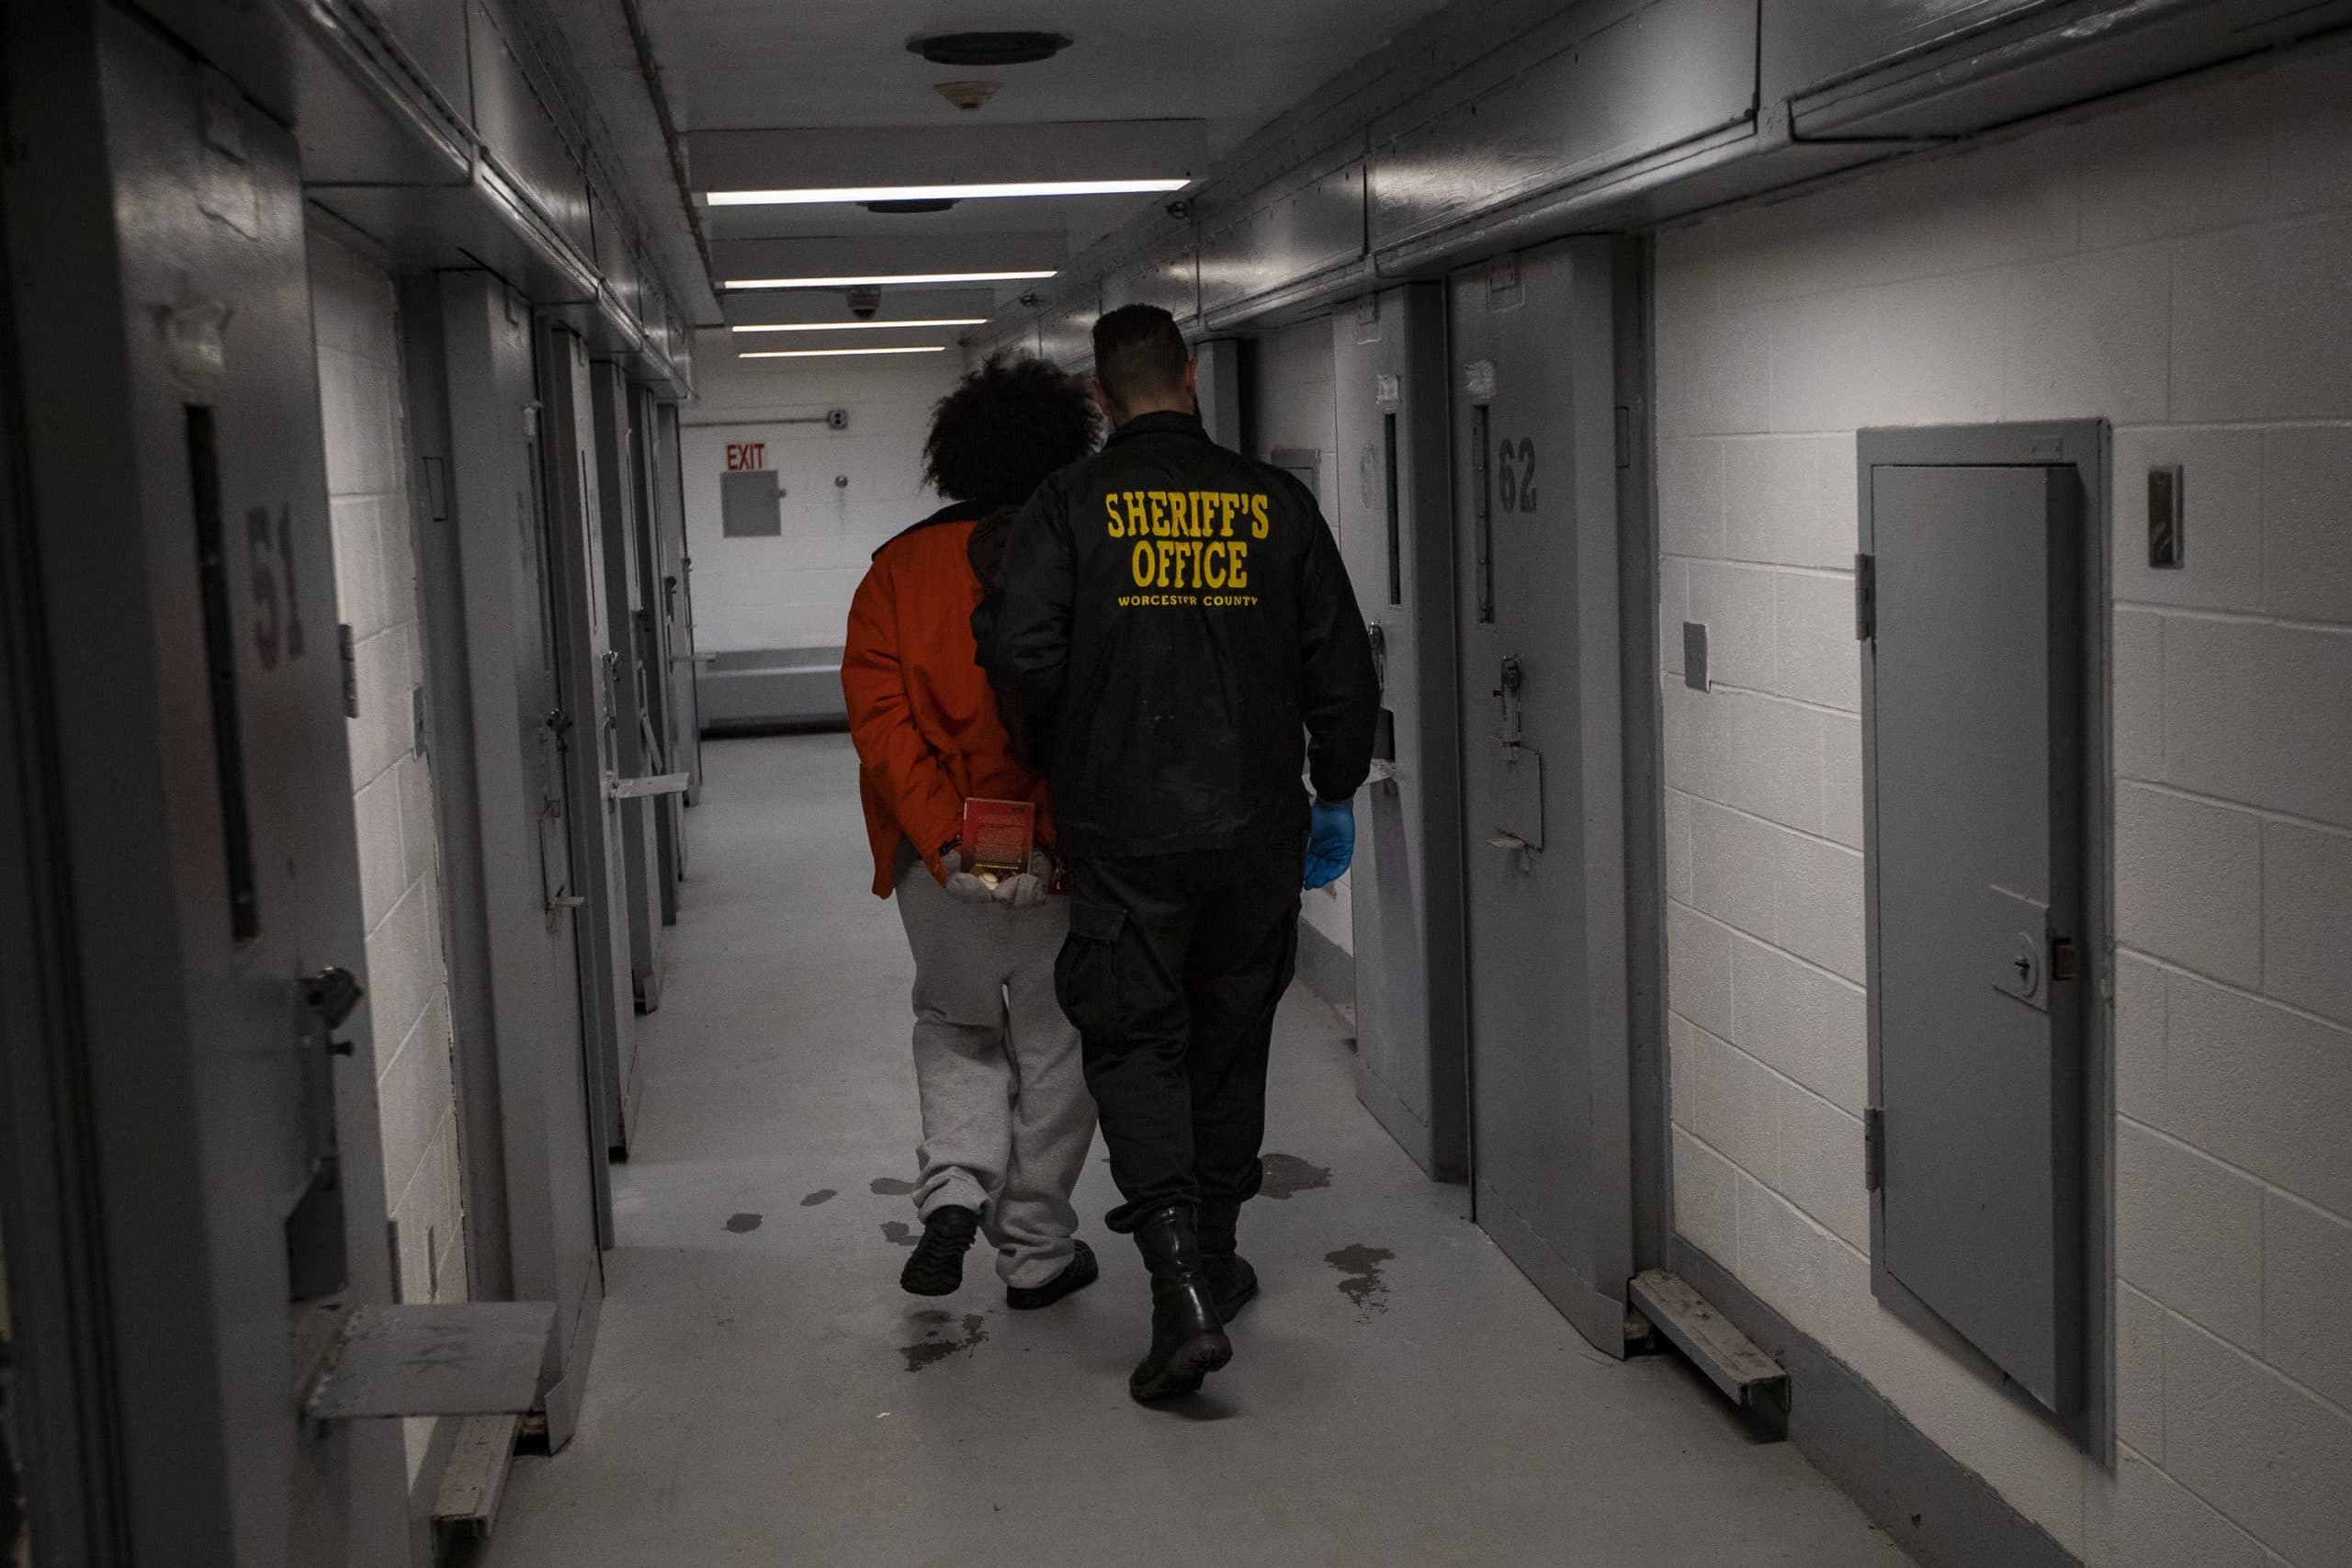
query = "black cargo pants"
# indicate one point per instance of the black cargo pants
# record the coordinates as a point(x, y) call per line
point(1171, 973)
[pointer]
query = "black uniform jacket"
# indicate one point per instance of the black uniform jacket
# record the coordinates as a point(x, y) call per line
point(1175, 641)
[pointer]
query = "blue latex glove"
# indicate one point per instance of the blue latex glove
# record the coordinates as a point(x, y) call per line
point(1330, 842)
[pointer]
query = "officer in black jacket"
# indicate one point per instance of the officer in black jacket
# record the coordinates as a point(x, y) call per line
point(1176, 642)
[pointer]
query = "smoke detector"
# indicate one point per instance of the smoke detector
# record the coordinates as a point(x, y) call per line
point(988, 47)
point(967, 95)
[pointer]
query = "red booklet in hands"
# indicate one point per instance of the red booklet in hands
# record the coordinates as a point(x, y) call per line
point(998, 836)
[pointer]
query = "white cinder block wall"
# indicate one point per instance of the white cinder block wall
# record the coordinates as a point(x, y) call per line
point(2184, 268)
point(368, 466)
point(794, 590)
point(1293, 406)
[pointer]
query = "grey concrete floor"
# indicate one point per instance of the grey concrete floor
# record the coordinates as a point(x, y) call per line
point(762, 1393)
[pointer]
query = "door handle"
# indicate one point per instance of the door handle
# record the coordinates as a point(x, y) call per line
point(1508, 682)
point(616, 788)
point(1512, 844)
point(330, 995)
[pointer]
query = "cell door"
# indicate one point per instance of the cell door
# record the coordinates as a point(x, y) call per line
point(196, 763)
point(678, 610)
point(1395, 508)
point(591, 672)
point(542, 1154)
point(1535, 516)
point(653, 648)
point(634, 754)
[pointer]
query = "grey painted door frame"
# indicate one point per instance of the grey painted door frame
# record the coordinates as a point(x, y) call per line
point(65, 1431)
point(1642, 725)
point(174, 520)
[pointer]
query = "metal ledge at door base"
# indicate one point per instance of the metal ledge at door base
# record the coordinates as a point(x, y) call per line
point(457, 1359)
point(1733, 1362)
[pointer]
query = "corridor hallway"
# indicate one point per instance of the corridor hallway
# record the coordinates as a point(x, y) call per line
point(764, 1393)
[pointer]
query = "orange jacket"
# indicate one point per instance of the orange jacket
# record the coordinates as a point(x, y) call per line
point(921, 713)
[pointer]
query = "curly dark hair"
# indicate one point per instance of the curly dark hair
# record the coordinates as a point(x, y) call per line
point(1004, 428)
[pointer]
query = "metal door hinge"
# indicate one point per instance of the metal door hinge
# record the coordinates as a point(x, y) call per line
point(1873, 1149)
point(1865, 597)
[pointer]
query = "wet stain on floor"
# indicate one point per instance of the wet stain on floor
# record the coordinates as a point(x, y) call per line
point(897, 1233)
point(823, 1194)
point(743, 1225)
point(937, 1344)
point(1287, 1176)
point(889, 1187)
point(1359, 1280)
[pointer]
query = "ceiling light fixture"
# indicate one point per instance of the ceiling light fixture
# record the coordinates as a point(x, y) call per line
point(967, 95)
point(949, 192)
point(829, 352)
point(856, 326)
point(1007, 48)
point(881, 280)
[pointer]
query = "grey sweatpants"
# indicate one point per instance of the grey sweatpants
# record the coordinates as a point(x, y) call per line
point(1006, 1117)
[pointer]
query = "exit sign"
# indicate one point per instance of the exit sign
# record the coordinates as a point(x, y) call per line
point(746, 454)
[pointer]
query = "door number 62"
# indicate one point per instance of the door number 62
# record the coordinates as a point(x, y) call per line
point(1515, 474)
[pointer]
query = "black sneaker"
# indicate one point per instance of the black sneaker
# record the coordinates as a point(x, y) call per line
point(1081, 1271)
point(937, 1267)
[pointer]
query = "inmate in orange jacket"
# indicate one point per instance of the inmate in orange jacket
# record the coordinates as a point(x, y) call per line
point(920, 709)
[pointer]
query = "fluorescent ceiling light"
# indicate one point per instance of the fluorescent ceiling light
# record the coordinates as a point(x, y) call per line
point(824, 353)
point(858, 326)
point(951, 192)
point(888, 278)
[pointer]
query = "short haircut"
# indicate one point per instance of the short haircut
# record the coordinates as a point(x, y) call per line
point(1005, 427)
point(1138, 354)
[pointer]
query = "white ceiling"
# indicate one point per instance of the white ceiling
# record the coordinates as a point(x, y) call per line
point(736, 65)
point(1223, 68)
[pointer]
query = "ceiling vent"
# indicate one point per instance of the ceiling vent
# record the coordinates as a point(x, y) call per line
point(987, 48)
point(966, 95)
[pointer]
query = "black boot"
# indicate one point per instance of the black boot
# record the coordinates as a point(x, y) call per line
point(1188, 1338)
point(937, 1267)
point(1233, 1284)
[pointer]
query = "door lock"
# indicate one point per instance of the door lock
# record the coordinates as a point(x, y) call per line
point(2028, 963)
point(331, 995)
point(1506, 688)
